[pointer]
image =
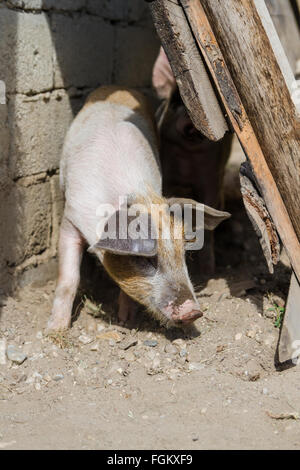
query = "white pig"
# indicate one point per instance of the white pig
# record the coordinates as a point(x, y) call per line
point(111, 151)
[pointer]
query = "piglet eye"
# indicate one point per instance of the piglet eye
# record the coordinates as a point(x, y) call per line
point(153, 261)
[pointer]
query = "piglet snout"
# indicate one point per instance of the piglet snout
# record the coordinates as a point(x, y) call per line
point(186, 128)
point(188, 312)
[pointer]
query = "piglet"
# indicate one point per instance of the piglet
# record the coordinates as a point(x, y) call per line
point(110, 155)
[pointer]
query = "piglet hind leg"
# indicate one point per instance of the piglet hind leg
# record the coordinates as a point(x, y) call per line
point(127, 309)
point(70, 253)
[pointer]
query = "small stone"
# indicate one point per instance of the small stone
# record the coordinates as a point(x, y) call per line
point(129, 356)
point(2, 352)
point(253, 376)
point(170, 349)
point(58, 377)
point(265, 391)
point(196, 366)
point(253, 370)
point(37, 386)
point(84, 339)
point(179, 343)
point(183, 353)
point(203, 411)
point(251, 334)
point(156, 363)
point(151, 355)
point(151, 343)
point(95, 347)
point(109, 381)
point(129, 344)
point(39, 335)
point(37, 376)
point(238, 336)
point(112, 343)
point(15, 355)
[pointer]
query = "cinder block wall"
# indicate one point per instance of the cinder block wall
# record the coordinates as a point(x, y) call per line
point(52, 53)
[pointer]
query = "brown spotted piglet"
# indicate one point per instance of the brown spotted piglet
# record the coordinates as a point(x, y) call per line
point(109, 167)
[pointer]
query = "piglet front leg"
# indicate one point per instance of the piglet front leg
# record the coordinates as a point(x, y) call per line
point(127, 309)
point(70, 253)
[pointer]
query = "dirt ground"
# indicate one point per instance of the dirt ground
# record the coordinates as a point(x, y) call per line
point(103, 386)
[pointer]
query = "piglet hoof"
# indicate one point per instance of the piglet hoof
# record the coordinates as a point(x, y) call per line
point(57, 323)
point(127, 310)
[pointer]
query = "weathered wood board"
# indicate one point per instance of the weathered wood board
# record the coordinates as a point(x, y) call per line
point(189, 70)
point(290, 333)
point(286, 26)
point(277, 45)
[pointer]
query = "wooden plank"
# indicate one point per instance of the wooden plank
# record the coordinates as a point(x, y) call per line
point(285, 22)
point(260, 217)
point(288, 39)
point(266, 124)
point(189, 70)
point(290, 332)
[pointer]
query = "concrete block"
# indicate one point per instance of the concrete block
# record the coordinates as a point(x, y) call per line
point(47, 4)
point(25, 222)
point(39, 125)
point(39, 275)
point(26, 4)
point(136, 51)
point(25, 51)
point(83, 51)
point(126, 10)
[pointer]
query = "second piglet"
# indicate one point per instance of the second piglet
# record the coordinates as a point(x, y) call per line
point(111, 154)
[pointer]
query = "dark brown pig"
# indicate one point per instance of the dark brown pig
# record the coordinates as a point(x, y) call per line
point(192, 165)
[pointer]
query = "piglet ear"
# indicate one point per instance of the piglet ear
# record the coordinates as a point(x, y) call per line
point(134, 236)
point(212, 217)
point(163, 80)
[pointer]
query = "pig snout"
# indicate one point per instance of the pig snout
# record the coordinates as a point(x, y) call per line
point(185, 127)
point(185, 313)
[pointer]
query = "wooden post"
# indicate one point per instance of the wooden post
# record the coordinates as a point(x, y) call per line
point(188, 68)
